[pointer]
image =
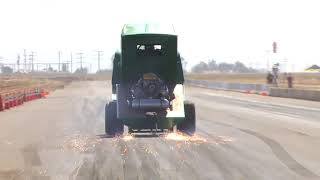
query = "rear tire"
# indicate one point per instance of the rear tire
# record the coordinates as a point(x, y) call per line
point(188, 126)
point(113, 126)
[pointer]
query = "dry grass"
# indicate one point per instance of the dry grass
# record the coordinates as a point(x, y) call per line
point(52, 81)
point(49, 81)
point(22, 81)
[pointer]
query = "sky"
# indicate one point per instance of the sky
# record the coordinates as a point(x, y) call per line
point(226, 31)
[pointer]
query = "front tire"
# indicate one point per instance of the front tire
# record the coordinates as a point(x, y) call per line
point(188, 126)
point(113, 126)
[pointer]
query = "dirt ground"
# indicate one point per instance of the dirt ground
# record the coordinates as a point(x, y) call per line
point(239, 136)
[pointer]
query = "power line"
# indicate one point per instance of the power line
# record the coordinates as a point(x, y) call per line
point(71, 61)
point(99, 56)
point(25, 60)
point(80, 58)
point(18, 62)
point(59, 61)
point(31, 58)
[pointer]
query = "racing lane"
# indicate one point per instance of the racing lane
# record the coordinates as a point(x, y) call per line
point(239, 136)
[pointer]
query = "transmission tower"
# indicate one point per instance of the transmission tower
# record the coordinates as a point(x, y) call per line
point(80, 58)
point(31, 58)
point(99, 58)
point(59, 61)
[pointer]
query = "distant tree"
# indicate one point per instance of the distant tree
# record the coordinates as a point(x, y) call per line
point(225, 67)
point(81, 71)
point(201, 67)
point(6, 70)
point(240, 67)
point(50, 69)
point(212, 65)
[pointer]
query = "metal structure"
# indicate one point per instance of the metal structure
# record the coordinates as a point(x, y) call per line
point(28, 63)
point(147, 83)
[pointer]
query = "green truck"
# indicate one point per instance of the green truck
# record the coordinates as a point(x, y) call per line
point(147, 84)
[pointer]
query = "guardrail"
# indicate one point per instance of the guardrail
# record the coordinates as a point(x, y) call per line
point(262, 89)
point(17, 97)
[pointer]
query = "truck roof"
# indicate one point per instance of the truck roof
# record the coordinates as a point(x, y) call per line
point(132, 29)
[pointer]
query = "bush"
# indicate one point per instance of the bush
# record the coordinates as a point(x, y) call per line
point(81, 71)
point(6, 70)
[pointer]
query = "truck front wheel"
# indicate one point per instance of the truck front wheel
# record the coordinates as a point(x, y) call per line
point(113, 126)
point(188, 126)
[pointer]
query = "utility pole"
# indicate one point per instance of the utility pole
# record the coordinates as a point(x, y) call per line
point(1, 65)
point(59, 57)
point(80, 57)
point(18, 62)
point(71, 62)
point(31, 58)
point(99, 55)
point(25, 60)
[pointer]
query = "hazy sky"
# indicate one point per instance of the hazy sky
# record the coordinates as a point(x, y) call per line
point(227, 30)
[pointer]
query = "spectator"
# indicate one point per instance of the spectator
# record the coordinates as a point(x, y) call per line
point(269, 78)
point(290, 80)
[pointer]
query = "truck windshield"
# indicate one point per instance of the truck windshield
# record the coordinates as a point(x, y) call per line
point(149, 50)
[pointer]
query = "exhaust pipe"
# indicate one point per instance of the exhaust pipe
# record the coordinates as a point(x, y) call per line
point(149, 104)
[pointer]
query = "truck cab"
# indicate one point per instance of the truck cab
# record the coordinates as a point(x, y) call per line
point(147, 80)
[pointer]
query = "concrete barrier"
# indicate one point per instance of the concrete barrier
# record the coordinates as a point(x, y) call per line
point(241, 87)
point(312, 95)
point(262, 89)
